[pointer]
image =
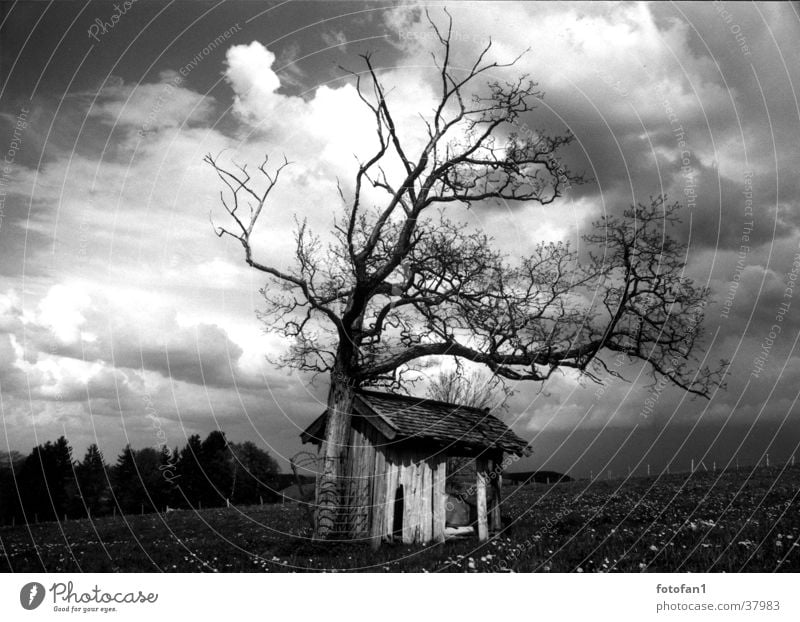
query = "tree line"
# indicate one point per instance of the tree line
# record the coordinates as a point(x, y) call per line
point(49, 484)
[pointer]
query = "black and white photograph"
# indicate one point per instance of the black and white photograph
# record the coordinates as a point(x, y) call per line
point(399, 287)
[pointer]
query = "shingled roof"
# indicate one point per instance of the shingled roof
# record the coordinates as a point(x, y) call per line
point(406, 418)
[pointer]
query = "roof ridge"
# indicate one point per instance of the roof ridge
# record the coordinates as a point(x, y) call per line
point(426, 399)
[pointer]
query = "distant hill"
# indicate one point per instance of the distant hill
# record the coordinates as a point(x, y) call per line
point(537, 477)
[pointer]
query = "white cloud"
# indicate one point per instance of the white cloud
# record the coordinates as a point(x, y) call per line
point(152, 106)
point(62, 310)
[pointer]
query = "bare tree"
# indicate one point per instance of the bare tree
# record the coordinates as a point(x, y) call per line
point(476, 388)
point(404, 282)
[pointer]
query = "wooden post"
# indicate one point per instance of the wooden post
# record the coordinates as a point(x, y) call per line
point(497, 487)
point(439, 499)
point(480, 482)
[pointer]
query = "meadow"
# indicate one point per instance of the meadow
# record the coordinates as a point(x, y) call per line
point(733, 521)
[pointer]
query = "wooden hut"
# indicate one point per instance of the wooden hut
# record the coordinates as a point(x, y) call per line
point(395, 466)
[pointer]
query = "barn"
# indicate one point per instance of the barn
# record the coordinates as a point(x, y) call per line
point(396, 485)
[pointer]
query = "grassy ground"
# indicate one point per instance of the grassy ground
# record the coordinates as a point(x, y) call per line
point(735, 521)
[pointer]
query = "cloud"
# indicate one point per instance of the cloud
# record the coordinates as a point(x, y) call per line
point(128, 292)
point(335, 38)
point(150, 107)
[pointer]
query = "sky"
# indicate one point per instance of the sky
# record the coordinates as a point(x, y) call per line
point(124, 319)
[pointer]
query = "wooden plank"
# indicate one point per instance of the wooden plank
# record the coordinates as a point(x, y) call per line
point(366, 475)
point(353, 456)
point(358, 508)
point(392, 476)
point(480, 484)
point(378, 509)
point(407, 479)
point(416, 507)
point(439, 499)
point(497, 497)
point(426, 499)
point(419, 498)
point(344, 518)
point(411, 497)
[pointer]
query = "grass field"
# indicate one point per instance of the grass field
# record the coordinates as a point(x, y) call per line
point(739, 520)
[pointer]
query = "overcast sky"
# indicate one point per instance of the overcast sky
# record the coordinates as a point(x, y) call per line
point(117, 300)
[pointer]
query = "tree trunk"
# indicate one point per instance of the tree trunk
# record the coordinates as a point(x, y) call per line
point(334, 449)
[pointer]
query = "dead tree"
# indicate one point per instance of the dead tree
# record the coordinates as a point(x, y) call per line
point(408, 281)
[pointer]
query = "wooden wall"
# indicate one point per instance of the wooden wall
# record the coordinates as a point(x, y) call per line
point(374, 472)
point(422, 478)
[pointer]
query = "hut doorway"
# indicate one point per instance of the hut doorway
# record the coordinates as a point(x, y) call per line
point(398, 513)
